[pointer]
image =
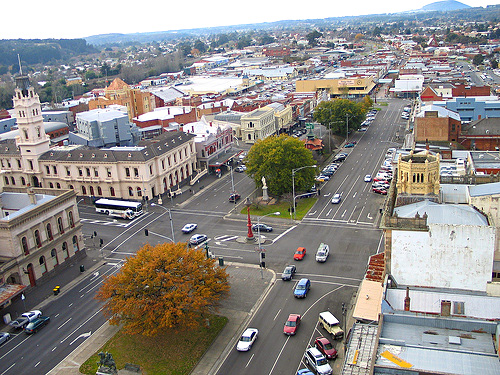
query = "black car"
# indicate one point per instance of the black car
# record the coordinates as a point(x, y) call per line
point(288, 272)
point(36, 324)
point(262, 228)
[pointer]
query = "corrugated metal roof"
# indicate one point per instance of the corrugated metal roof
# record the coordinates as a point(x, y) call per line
point(443, 213)
point(484, 189)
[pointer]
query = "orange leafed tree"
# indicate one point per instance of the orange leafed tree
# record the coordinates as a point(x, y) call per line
point(163, 286)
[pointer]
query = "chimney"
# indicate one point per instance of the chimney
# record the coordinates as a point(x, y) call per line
point(31, 195)
point(407, 299)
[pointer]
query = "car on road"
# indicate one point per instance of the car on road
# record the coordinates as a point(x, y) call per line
point(322, 178)
point(325, 347)
point(36, 324)
point(240, 168)
point(291, 324)
point(368, 178)
point(300, 253)
point(288, 272)
point(380, 190)
point(262, 228)
point(362, 129)
point(247, 339)
point(25, 318)
point(302, 288)
point(317, 361)
point(350, 144)
point(234, 197)
point(197, 239)
point(336, 198)
point(188, 228)
point(322, 252)
point(4, 337)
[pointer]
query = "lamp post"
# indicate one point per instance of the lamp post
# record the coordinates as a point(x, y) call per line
point(344, 313)
point(249, 223)
point(170, 217)
point(293, 184)
point(261, 254)
point(232, 180)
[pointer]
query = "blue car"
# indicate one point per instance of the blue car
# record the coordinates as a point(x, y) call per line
point(302, 288)
point(305, 371)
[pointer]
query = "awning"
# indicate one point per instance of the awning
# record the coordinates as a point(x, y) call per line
point(9, 291)
point(224, 158)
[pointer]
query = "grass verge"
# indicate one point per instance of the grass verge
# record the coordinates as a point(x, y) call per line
point(170, 353)
point(283, 207)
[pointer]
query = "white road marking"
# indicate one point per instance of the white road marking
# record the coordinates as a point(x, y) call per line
point(277, 314)
point(64, 323)
point(284, 233)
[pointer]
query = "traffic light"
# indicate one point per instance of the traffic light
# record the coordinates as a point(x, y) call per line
point(101, 242)
point(146, 232)
point(262, 257)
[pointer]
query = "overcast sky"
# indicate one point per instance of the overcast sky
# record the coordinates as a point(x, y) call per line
point(63, 19)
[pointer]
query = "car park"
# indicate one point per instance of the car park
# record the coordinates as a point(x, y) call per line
point(292, 324)
point(36, 324)
point(197, 239)
point(188, 228)
point(368, 178)
point(325, 347)
point(234, 198)
point(317, 361)
point(380, 185)
point(322, 253)
point(336, 198)
point(262, 227)
point(247, 339)
point(302, 288)
point(4, 337)
point(300, 253)
point(288, 272)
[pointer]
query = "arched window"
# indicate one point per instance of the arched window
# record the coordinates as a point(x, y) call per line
point(53, 256)
point(91, 189)
point(65, 250)
point(43, 266)
point(139, 191)
point(112, 191)
point(71, 187)
point(38, 240)
point(13, 180)
point(6, 180)
point(49, 232)
point(58, 185)
point(84, 190)
point(99, 191)
point(130, 191)
point(60, 225)
point(75, 244)
point(51, 185)
point(24, 244)
point(23, 181)
point(70, 219)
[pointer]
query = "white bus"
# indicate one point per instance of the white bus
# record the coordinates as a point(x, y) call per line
point(113, 207)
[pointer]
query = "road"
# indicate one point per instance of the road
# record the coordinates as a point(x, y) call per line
point(349, 228)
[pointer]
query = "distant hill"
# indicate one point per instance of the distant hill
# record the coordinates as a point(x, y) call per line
point(445, 6)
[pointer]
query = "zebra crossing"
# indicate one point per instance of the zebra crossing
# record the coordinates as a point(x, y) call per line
point(114, 223)
point(225, 238)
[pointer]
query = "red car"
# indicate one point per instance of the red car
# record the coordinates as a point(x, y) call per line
point(325, 347)
point(380, 191)
point(300, 253)
point(291, 324)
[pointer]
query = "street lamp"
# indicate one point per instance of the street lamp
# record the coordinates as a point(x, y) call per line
point(170, 217)
point(232, 179)
point(293, 184)
point(261, 257)
point(344, 311)
point(249, 222)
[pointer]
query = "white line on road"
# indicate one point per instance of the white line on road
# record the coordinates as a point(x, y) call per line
point(64, 323)
point(277, 314)
point(81, 325)
point(328, 213)
point(250, 360)
point(37, 363)
point(54, 348)
point(284, 233)
point(8, 368)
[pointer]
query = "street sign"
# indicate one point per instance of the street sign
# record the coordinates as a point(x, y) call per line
point(309, 125)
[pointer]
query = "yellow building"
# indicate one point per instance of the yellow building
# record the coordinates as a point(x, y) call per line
point(341, 87)
point(258, 124)
point(418, 174)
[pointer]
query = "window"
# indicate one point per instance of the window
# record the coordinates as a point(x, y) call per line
point(130, 191)
point(54, 169)
point(38, 240)
point(23, 181)
point(108, 171)
point(163, 164)
point(136, 172)
point(458, 308)
point(53, 256)
point(58, 185)
point(96, 172)
point(6, 180)
point(60, 226)
point(91, 189)
point(99, 190)
point(51, 185)
point(75, 244)
point(43, 266)
point(24, 244)
point(151, 169)
point(47, 169)
point(65, 250)
point(112, 191)
point(71, 220)
point(139, 191)
point(49, 232)
point(127, 172)
point(68, 172)
point(84, 190)
point(88, 171)
point(30, 164)
point(80, 172)
point(13, 180)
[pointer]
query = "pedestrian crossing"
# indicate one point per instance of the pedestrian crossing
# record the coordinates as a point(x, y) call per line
point(225, 238)
point(114, 223)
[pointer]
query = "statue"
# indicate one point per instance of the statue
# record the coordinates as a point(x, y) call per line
point(265, 196)
point(264, 183)
point(106, 364)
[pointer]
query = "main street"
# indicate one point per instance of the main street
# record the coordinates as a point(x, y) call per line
point(350, 229)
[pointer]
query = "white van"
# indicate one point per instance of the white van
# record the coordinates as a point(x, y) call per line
point(322, 253)
point(331, 324)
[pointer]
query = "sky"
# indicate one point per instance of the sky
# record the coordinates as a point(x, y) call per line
point(62, 19)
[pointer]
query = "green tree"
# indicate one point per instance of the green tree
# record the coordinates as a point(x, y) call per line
point(313, 37)
point(274, 158)
point(200, 46)
point(165, 286)
point(494, 64)
point(335, 114)
point(478, 59)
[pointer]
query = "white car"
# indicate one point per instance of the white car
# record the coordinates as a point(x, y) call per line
point(247, 339)
point(322, 253)
point(336, 198)
point(188, 228)
point(368, 178)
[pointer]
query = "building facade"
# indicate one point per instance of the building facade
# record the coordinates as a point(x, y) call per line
point(257, 124)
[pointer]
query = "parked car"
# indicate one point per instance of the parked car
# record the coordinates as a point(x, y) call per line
point(381, 191)
point(331, 324)
point(36, 324)
point(305, 371)
point(322, 178)
point(325, 347)
point(300, 253)
point(4, 337)
point(247, 339)
point(336, 198)
point(350, 145)
point(240, 168)
point(317, 361)
point(25, 318)
point(288, 272)
point(302, 288)
point(262, 228)
point(322, 252)
point(197, 239)
point(368, 178)
point(188, 228)
point(291, 324)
